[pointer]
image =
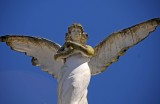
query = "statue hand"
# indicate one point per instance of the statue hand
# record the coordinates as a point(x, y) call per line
point(56, 56)
point(72, 44)
point(69, 44)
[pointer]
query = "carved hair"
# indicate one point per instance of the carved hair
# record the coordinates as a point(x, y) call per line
point(84, 36)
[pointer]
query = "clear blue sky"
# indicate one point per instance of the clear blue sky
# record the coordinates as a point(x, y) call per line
point(134, 79)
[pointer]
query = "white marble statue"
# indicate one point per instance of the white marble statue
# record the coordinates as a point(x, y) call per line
point(74, 63)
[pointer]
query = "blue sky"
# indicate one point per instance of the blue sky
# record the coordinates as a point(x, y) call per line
point(134, 79)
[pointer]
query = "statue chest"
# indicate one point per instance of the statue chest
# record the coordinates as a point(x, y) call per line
point(75, 68)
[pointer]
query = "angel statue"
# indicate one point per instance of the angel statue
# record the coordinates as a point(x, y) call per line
point(74, 63)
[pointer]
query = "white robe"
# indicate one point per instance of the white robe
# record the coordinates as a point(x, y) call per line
point(73, 80)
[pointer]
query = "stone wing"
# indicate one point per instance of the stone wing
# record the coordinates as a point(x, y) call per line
point(114, 46)
point(41, 50)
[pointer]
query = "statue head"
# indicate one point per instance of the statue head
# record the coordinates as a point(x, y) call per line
point(76, 33)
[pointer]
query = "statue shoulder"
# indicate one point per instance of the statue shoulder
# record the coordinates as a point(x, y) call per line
point(88, 46)
point(90, 50)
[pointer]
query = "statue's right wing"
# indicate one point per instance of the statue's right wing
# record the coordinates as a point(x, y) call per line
point(114, 46)
point(41, 50)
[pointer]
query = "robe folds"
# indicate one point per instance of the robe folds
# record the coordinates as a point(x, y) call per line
point(73, 80)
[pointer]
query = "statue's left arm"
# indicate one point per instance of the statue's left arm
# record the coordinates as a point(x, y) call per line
point(84, 49)
point(114, 46)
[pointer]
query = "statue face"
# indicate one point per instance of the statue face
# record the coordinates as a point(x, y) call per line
point(76, 34)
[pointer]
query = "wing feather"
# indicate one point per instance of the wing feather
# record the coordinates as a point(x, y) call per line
point(114, 46)
point(41, 50)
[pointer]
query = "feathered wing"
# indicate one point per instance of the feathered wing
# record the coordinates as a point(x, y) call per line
point(41, 50)
point(114, 46)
